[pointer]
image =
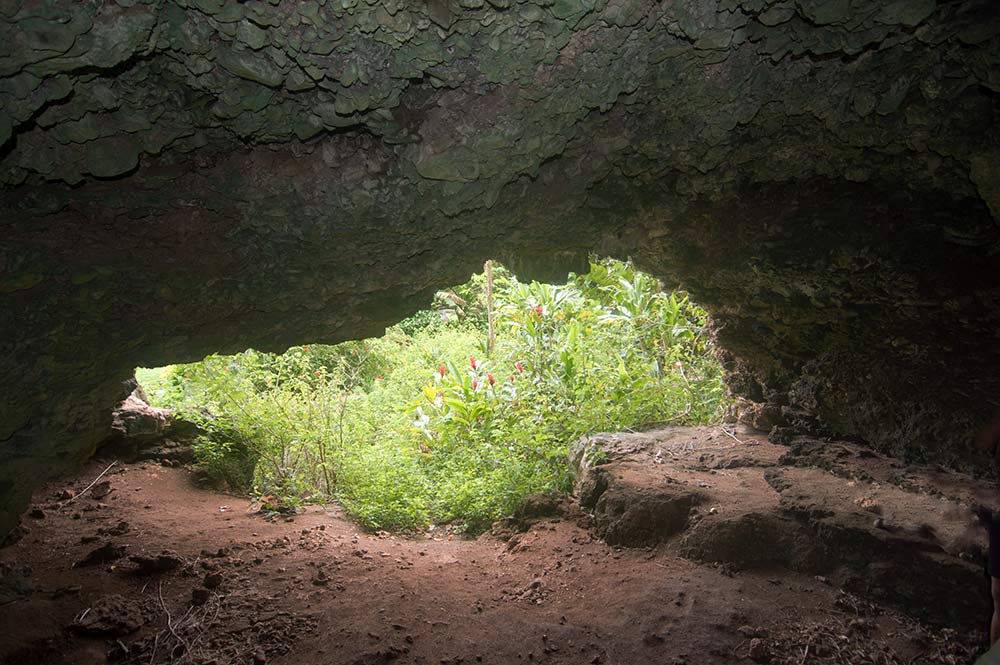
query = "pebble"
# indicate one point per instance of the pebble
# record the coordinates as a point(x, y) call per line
point(759, 652)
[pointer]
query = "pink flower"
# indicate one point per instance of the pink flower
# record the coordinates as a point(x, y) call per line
point(378, 378)
point(441, 369)
point(512, 378)
point(490, 378)
point(305, 349)
point(319, 374)
point(472, 361)
point(475, 383)
point(539, 310)
point(519, 366)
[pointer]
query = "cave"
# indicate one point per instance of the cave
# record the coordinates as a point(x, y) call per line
point(199, 176)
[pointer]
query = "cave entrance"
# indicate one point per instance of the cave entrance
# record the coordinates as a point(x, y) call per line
point(457, 413)
point(371, 463)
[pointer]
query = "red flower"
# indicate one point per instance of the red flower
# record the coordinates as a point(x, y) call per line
point(475, 384)
point(441, 369)
point(305, 349)
point(490, 379)
point(472, 361)
point(539, 310)
point(378, 377)
point(318, 373)
point(519, 366)
point(512, 378)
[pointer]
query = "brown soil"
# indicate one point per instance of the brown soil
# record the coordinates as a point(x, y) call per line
point(191, 577)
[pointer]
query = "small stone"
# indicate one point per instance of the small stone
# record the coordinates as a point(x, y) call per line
point(213, 580)
point(160, 563)
point(200, 596)
point(101, 490)
point(119, 529)
point(106, 553)
point(759, 653)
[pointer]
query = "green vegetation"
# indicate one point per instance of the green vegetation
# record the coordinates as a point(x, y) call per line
point(425, 425)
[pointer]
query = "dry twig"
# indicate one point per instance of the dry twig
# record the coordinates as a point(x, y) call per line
point(88, 487)
point(733, 436)
point(170, 624)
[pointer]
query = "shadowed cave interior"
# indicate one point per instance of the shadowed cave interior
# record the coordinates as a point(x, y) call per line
point(202, 176)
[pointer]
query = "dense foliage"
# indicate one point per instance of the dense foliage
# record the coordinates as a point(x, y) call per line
point(425, 425)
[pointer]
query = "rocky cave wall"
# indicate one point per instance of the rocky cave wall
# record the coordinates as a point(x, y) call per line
point(181, 178)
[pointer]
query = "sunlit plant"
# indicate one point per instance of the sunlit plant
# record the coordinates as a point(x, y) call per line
point(423, 424)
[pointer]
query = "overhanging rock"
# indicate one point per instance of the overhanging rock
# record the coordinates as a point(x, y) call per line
point(196, 176)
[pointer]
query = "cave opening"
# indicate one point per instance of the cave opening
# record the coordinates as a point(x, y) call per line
point(637, 512)
point(209, 176)
point(454, 416)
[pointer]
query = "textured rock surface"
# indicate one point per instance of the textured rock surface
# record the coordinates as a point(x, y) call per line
point(901, 534)
point(137, 422)
point(143, 432)
point(114, 616)
point(635, 513)
point(205, 175)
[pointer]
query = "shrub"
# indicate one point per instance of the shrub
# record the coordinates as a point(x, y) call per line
point(419, 425)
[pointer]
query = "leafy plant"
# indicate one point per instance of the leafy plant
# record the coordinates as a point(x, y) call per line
point(421, 426)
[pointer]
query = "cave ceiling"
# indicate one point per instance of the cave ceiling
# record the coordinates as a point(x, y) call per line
point(181, 178)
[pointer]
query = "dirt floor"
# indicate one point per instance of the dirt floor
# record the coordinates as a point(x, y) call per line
point(759, 553)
